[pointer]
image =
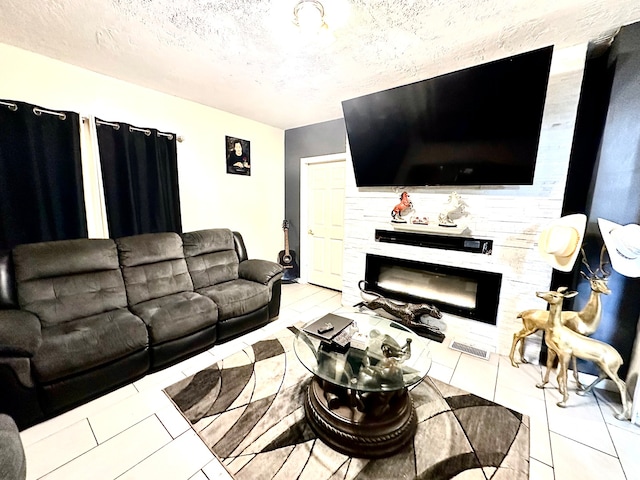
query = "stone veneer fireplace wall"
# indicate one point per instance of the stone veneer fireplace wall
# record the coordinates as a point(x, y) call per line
point(511, 216)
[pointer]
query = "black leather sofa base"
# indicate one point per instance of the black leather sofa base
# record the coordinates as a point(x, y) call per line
point(73, 391)
point(234, 327)
point(176, 350)
point(18, 400)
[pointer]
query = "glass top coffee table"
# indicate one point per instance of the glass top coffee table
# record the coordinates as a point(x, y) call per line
point(358, 401)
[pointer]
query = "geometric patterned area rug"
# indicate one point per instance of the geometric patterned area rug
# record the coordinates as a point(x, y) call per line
point(248, 408)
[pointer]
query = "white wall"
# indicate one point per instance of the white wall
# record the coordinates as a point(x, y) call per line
point(209, 196)
point(511, 216)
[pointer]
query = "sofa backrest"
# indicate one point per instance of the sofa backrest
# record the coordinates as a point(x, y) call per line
point(211, 256)
point(153, 266)
point(68, 279)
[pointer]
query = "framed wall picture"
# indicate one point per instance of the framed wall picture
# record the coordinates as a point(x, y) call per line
point(238, 156)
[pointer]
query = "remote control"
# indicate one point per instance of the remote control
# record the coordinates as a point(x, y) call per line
point(326, 328)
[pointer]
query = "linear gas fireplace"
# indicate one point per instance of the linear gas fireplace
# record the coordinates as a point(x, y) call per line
point(468, 293)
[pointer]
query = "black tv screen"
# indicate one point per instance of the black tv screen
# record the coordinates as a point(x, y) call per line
point(478, 126)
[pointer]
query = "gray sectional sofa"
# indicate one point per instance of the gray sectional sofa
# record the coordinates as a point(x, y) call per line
point(79, 318)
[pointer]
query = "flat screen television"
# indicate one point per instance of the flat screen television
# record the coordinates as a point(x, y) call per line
point(478, 126)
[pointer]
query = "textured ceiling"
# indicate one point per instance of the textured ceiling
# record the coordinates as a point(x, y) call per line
point(247, 57)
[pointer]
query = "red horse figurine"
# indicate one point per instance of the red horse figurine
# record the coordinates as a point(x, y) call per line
point(405, 203)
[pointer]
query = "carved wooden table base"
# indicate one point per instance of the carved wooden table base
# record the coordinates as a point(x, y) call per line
point(360, 424)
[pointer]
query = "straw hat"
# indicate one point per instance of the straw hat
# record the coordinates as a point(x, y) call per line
point(623, 245)
point(560, 241)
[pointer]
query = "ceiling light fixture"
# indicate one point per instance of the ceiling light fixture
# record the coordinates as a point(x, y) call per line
point(309, 15)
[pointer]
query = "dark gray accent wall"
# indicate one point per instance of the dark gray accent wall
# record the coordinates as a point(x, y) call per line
point(324, 138)
point(614, 193)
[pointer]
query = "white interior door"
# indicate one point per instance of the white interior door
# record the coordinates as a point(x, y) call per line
point(325, 190)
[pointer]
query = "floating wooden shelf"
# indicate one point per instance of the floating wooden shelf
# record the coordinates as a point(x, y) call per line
point(430, 240)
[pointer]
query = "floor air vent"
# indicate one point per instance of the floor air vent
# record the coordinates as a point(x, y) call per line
point(474, 351)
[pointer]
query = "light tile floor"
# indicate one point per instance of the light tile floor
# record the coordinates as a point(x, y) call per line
point(136, 432)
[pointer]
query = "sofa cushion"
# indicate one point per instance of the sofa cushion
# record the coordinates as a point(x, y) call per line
point(148, 282)
point(153, 266)
point(64, 257)
point(237, 297)
point(149, 248)
point(69, 279)
point(211, 256)
point(175, 316)
point(79, 345)
point(213, 268)
point(207, 241)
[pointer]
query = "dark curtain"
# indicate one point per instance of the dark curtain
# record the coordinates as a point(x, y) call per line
point(41, 190)
point(140, 177)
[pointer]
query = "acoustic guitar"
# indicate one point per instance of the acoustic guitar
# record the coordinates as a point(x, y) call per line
point(287, 257)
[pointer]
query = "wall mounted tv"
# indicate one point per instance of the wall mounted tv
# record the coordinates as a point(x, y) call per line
point(478, 126)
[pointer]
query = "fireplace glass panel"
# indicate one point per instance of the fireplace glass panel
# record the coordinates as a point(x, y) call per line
point(450, 289)
point(469, 293)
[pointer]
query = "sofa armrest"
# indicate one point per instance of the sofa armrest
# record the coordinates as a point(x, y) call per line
point(261, 271)
point(20, 333)
point(13, 463)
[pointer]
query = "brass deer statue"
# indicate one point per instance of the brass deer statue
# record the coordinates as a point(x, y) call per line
point(585, 322)
point(565, 343)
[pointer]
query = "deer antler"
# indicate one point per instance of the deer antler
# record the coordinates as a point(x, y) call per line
point(586, 263)
point(605, 273)
point(600, 269)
